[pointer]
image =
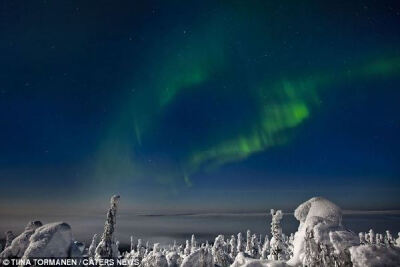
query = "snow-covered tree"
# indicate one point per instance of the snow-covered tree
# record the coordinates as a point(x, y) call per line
point(232, 247)
point(265, 248)
point(187, 248)
point(379, 241)
point(254, 246)
point(141, 249)
point(398, 239)
point(389, 240)
point(106, 247)
point(200, 258)
point(174, 247)
point(207, 244)
point(147, 249)
point(9, 238)
point(361, 236)
point(173, 259)
point(326, 255)
point(155, 258)
point(290, 246)
point(311, 256)
point(193, 244)
point(21, 242)
point(277, 247)
point(340, 254)
point(371, 236)
point(92, 247)
point(240, 245)
point(248, 243)
point(366, 238)
point(219, 252)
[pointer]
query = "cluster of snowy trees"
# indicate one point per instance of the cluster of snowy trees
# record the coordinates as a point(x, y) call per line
point(321, 240)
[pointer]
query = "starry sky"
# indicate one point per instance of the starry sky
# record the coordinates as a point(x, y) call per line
point(200, 105)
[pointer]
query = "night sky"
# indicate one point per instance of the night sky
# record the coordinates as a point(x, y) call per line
point(200, 105)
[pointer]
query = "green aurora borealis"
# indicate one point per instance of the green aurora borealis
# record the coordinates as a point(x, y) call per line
point(278, 107)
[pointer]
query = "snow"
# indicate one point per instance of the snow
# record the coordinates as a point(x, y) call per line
point(107, 247)
point(318, 215)
point(220, 252)
point(155, 258)
point(50, 240)
point(321, 240)
point(342, 240)
point(372, 255)
point(21, 242)
point(242, 261)
point(173, 259)
point(92, 247)
point(202, 257)
point(318, 207)
point(9, 238)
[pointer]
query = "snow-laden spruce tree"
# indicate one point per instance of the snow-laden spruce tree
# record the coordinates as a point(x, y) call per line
point(240, 245)
point(277, 247)
point(155, 258)
point(341, 253)
point(312, 257)
point(174, 246)
point(265, 248)
point(92, 247)
point(188, 249)
point(326, 255)
point(259, 245)
point(232, 247)
point(193, 244)
point(173, 259)
point(248, 243)
point(199, 258)
point(141, 249)
point(147, 250)
point(398, 240)
point(9, 238)
point(106, 248)
point(254, 246)
point(389, 240)
point(361, 236)
point(379, 241)
point(290, 246)
point(220, 252)
point(371, 236)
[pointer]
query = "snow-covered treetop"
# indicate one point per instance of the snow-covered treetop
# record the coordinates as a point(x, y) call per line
point(319, 207)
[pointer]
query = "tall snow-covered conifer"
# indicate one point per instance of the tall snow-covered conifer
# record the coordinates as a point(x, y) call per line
point(193, 243)
point(277, 246)
point(240, 246)
point(106, 247)
point(248, 242)
point(92, 247)
point(233, 247)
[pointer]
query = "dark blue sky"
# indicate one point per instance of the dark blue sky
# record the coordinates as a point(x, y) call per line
point(229, 105)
